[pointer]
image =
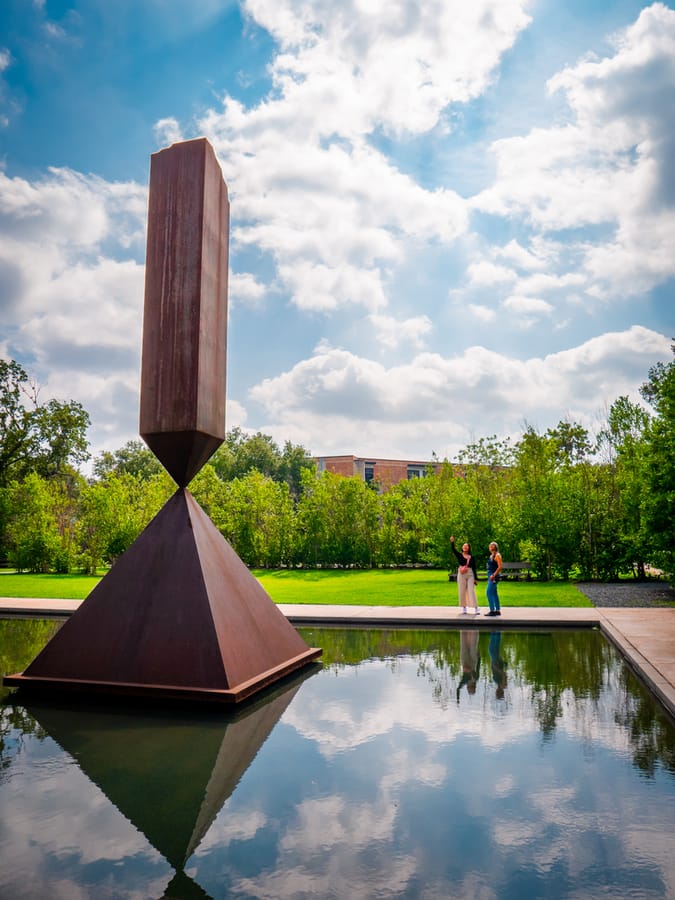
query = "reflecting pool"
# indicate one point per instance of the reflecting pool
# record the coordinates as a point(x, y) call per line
point(412, 763)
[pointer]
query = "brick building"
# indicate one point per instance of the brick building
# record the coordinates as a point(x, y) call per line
point(386, 472)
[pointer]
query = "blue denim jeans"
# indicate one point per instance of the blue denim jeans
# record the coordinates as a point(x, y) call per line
point(492, 595)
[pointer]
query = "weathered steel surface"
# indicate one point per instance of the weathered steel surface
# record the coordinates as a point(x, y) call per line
point(182, 415)
point(178, 615)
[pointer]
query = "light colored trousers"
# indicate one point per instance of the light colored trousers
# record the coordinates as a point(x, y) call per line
point(467, 589)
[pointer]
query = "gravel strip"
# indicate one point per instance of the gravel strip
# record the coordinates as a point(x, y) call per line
point(640, 593)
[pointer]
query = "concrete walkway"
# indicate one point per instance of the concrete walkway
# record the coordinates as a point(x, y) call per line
point(645, 637)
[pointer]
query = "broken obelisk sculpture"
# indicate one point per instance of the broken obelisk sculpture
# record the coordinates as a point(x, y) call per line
point(179, 615)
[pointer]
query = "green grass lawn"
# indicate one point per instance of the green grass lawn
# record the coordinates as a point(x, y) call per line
point(379, 587)
point(404, 587)
point(49, 587)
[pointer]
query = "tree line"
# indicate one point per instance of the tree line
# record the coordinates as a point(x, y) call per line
point(572, 505)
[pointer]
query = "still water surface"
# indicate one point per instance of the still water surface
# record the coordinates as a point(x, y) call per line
point(428, 764)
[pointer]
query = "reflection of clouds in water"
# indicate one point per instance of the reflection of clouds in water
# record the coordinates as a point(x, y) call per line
point(651, 846)
point(338, 723)
point(407, 766)
point(319, 842)
point(316, 825)
point(504, 785)
point(495, 799)
point(571, 828)
point(321, 839)
point(284, 882)
point(79, 827)
point(595, 721)
point(554, 801)
point(232, 825)
point(515, 833)
point(474, 886)
point(328, 822)
point(550, 823)
point(339, 877)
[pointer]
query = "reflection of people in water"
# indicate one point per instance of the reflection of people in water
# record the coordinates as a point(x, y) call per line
point(469, 660)
point(498, 664)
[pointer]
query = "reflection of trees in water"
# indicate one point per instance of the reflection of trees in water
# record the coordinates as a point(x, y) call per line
point(436, 652)
point(353, 646)
point(15, 726)
point(442, 670)
point(651, 734)
point(562, 672)
point(20, 641)
point(567, 672)
point(558, 666)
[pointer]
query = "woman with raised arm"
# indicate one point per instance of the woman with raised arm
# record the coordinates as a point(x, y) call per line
point(467, 577)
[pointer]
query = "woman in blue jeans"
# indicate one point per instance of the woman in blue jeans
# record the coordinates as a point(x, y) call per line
point(494, 567)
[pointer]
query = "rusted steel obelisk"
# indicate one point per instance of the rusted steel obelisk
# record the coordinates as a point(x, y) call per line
point(185, 318)
point(179, 615)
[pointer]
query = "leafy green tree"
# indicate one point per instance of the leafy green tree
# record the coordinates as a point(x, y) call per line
point(393, 536)
point(60, 437)
point(134, 458)
point(337, 521)
point(405, 513)
point(490, 452)
point(535, 497)
point(445, 490)
point(574, 485)
point(100, 503)
point(659, 483)
point(355, 517)
point(486, 468)
point(45, 438)
point(211, 494)
point(293, 462)
point(33, 538)
point(625, 431)
point(571, 442)
point(313, 519)
point(242, 453)
point(254, 513)
point(257, 518)
point(623, 444)
point(113, 512)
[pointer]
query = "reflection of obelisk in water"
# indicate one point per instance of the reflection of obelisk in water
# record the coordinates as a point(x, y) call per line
point(179, 614)
point(168, 773)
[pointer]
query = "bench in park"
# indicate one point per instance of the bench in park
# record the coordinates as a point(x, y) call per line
point(514, 571)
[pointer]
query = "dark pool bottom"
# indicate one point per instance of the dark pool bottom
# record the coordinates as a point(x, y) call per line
point(428, 764)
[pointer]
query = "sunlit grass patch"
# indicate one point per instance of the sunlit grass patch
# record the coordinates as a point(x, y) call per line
point(377, 587)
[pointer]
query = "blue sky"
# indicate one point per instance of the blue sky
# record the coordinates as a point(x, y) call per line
point(449, 220)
